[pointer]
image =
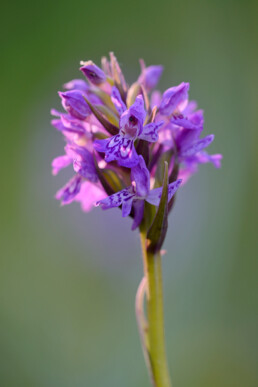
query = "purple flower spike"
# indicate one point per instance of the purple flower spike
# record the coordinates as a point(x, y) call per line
point(174, 97)
point(106, 122)
point(74, 103)
point(150, 76)
point(93, 73)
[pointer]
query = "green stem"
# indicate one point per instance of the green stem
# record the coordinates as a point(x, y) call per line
point(154, 298)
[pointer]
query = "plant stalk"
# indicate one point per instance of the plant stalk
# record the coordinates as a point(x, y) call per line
point(155, 316)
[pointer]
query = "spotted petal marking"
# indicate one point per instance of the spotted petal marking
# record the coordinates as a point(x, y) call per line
point(150, 132)
point(116, 199)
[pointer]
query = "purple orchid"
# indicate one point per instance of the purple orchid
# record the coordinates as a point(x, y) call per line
point(74, 103)
point(137, 193)
point(174, 98)
point(121, 146)
point(156, 151)
point(174, 125)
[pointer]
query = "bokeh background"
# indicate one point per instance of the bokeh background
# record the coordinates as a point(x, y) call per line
point(68, 279)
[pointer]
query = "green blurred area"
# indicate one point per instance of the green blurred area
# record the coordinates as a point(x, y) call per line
point(68, 279)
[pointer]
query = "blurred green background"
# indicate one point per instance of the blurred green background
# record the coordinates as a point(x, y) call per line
point(68, 279)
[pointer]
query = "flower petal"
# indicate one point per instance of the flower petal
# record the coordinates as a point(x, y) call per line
point(155, 194)
point(88, 195)
point(116, 199)
point(184, 122)
point(59, 163)
point(150, 131)
point(74, 103)
point(127, 206)
point(197, 146)
point(83, 162)
point(76, 84)
point(138, 206)
point(93, 73)
point(150, 76)
point(141, 176)
point(173, 97)
point(70, 190)
point(118, 148)
point(117, 101)
point(204, 157)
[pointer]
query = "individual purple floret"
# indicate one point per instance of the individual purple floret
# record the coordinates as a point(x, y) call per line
point(93, 73)
point(121, 146)
point(150, 76)
point(74, 103)
point(173, 98)
point(138, 191)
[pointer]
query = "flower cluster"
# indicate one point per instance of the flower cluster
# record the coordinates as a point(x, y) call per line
point(118, 138)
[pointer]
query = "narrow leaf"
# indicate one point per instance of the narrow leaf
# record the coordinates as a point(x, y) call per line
point(132, 93)
point(118, 76)
point(111, 117)
point(112, 129)
point(109, 179)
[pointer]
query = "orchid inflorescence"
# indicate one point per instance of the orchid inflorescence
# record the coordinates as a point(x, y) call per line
point(132, 148)
point(118, 138)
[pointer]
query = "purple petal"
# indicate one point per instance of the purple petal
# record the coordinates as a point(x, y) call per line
point(101, 145)
point(59, 163)
point(74, 103)
point(74, 125)
point(173, 97)
point(150, 76)
point(184, 138)
point(70, 190)
point(197, 117)
point(116, 199)
point(83, 162)
point(184, 122)
point(155, 194)
point(204, 157)
point(150, 131)
point(137, 109)
point(89, 194)
point(141, 177)
point(117, 101)
point(76, 84)
point(131, 121)
point(138, 206)
point(155, 98)
point(127, 206)
point(93, 73)
point(118, 148)
point(197, 146)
